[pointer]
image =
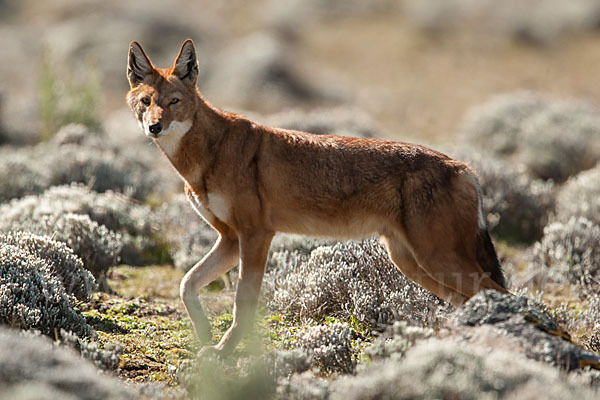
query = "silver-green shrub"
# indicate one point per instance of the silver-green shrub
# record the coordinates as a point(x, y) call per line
point(102, 169)
point(552, 139)
point(258, 71)
point(34, 368)
point(522, 324)
point(20, 175)
point(76, 156)
point(106, 358)
point(284, 363)
point(491, 307)
point(352, 279)
point(582, 317)
point(593, 342)
point(496, 125)
point(569, 252)
point(135, 223)
point(303, 387)
point(59, 259)
point(580, 197)
point(32, 297)
point(396, 341)
point(328, 346)
point(445, 369)
point(224, 378)
point(97, 246)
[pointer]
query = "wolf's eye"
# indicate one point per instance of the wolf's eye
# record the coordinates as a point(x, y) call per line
point(146, 101)
point(174, 101)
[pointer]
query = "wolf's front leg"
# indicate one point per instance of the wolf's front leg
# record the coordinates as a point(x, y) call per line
point(221, 258)
point(254, 248)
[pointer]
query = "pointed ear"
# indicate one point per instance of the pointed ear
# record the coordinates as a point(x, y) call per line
point(185, 66)
point(138, 65)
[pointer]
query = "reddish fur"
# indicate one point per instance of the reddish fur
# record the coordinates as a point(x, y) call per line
point(424, 204)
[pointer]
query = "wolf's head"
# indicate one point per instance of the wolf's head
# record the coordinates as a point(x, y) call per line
point(163, 100)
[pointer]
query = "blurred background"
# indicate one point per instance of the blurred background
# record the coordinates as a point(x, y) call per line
point(408, 68)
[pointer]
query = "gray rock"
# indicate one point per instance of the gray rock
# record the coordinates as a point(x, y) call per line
point(491, 307)
point(520, 326)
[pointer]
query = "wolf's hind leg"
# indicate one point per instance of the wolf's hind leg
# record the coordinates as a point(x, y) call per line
point(402, 257)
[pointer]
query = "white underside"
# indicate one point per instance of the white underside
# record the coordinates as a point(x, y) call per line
point(168, 140)
point(219, 206)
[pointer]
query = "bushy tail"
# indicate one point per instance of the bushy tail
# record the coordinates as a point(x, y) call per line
point(487, 258)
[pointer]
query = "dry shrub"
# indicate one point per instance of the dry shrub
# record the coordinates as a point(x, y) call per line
point(569, 252)
point(396, 340)
point(443, 369)
point(352, 279)
point(59, 259)
point(34, 368)
point(76, 155)
point(33, 297)
point(552, 139)
point(328, 346)
point(521, 325)
point(580, 197)
point(259, 72)
point(97, 246)
point(134, 224)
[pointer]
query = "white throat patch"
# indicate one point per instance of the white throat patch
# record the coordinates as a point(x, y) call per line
point(169, 139)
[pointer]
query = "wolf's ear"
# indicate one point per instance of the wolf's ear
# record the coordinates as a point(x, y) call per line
point(185, 66)
point(138, 65)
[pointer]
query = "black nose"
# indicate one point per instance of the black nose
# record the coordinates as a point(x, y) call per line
point(155, 128)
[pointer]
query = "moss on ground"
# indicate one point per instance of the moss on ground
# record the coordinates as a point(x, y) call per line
point(156, 336)
point(147, 317)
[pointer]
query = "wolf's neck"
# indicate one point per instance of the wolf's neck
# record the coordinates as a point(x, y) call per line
point(174, 133)
point(190, 146)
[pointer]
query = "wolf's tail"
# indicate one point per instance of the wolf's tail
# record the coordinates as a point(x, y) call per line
point(486, 256)
point(485, 253)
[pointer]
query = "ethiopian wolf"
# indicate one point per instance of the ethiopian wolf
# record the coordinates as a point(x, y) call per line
point(250, 181)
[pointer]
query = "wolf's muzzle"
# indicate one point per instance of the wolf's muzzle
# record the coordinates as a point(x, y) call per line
point(155, 128)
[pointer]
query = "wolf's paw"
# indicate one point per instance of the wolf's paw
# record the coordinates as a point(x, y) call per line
point(210, 352)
